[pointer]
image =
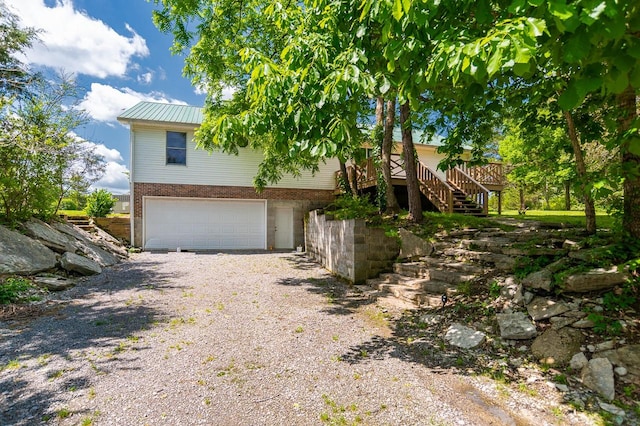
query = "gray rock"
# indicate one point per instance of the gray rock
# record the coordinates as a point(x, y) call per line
point(431, 319)
point(528, 297)
point(88, 247)
point(556, 347)
point(82, 265)
point(412, 246)
point(23, 256)
point(98, 255)
point(541, 279)
point(594, 280)
point(49, 236)
point(542, 308)
point(54, 283)
point(610, 408)
point(561, 387)
point(627, 356)
point(621, 371)
point(560, 322)
point(578, 361)
point(598, 376)
point(464, 337)
point(516, 326)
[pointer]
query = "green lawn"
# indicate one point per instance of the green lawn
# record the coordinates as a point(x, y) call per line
point(575, 217)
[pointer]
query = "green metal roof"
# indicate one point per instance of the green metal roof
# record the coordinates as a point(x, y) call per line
point(165, 113)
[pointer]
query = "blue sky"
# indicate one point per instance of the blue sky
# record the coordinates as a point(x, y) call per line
point(118, 58)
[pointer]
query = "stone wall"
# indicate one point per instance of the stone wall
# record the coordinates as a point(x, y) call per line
point(349, 248)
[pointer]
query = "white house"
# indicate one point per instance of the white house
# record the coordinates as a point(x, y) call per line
point(192, 199)
point(188, 198)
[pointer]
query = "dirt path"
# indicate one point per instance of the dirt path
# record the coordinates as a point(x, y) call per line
point(235, 339)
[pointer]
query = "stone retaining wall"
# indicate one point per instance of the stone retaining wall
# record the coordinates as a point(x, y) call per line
point(349, 248)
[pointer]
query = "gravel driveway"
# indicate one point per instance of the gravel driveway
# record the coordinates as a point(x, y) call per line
point(233, 339)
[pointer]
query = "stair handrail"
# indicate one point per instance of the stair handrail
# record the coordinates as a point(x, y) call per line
point(436, 189)
point(472, 189)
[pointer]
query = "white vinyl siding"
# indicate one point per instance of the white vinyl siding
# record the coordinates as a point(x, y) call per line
point(215, 168)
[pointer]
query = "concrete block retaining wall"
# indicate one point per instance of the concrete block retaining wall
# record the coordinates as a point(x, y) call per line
point(349, 248)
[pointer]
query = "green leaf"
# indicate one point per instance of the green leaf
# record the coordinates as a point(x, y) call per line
point(536, 27)
point(617, 81)
point(577, 48)
point(483, 12)
point(634, 146)
point(386, 85)
point(406, 5)
point(590, 15)
point(561, 10)
point(495, 63)
point(634, 77)
point(397, 10)
point(569, 99)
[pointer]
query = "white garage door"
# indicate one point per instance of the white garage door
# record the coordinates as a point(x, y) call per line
point(193, 224)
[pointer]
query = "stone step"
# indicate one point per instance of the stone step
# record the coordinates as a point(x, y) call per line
point(444, 263)
point(501, 262)
point(442, 273)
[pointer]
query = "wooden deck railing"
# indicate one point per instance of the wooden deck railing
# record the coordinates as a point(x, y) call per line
point(472, 189)
point(439, 191)
point(488, 174)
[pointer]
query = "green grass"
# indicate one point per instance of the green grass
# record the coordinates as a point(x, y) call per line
point(571, 217)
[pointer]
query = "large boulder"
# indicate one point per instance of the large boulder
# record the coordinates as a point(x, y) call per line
point(87, 246)
point(74, 263)
point(413, 247)
point(23, 256)
point(556, 347)
point(49, 236)
point(594, 280)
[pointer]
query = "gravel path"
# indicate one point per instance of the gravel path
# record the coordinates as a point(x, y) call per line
point(233, 339)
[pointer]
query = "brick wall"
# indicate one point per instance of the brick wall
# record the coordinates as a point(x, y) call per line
point(209, 191)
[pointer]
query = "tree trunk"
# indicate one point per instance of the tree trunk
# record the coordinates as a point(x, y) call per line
point(567, 195)
point(413, 190)
point(523, 207)
point(346, 187)
point(630, 165)
point(387, 147)
point(589, 205)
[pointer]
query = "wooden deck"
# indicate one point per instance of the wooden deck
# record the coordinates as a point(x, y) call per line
point(464, 190)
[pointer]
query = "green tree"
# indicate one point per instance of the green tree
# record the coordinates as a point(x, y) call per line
point(100, 203)
point(14, 75)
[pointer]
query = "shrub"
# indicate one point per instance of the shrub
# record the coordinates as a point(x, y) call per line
point(14, 289)
point(100, 203)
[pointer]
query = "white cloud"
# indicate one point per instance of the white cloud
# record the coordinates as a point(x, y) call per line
point(105, 103)
point(75, 42)
point(115, 179)
point(110, 155)
point(145, 78)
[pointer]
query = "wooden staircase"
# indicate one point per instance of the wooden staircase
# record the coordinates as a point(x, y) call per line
point(458, 193)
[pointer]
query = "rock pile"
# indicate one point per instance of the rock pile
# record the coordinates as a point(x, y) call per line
point(56, 253)
point(544, 314)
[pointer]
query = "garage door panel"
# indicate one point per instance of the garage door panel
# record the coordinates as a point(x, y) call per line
point(204, 224)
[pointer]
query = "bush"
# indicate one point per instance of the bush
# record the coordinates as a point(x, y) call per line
point(100, 203)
